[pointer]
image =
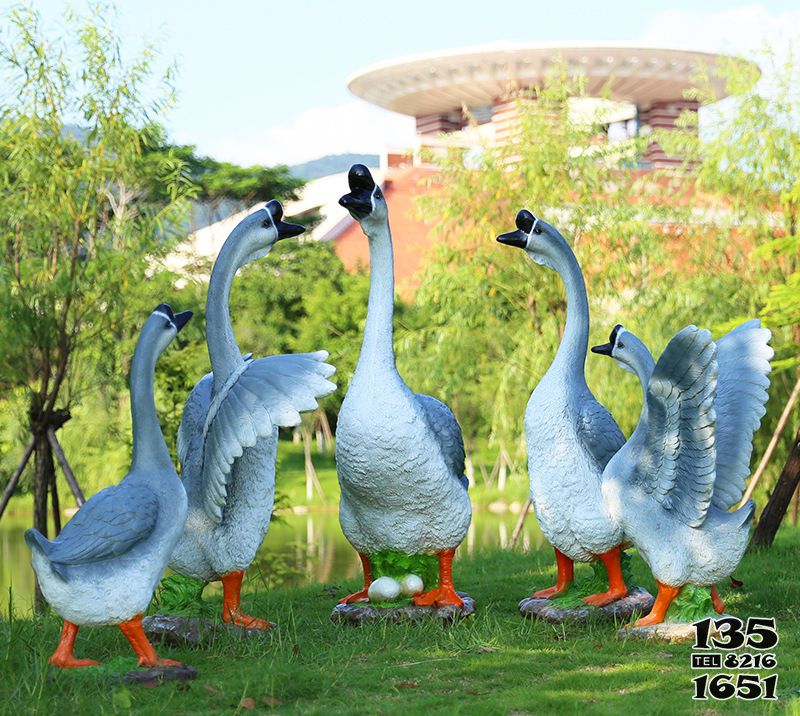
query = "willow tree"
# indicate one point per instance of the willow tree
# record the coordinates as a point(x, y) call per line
point(84, 207)
point(489, 319)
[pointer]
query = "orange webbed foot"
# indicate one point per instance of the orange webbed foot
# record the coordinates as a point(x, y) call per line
point(360, 596)
point(605, 598)
point(245, 621)
point(439, 597)
point(559, 590)
point(649, 620)
point(70, 662)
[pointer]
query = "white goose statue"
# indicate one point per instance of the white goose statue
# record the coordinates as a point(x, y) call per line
point(570, 435)
point(399, 454)
point(228, 436)
point(685, 465)
point(104, 566)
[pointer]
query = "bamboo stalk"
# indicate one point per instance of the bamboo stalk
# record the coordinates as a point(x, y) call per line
point(762, 466)
point(12, 483)
point(62, 460)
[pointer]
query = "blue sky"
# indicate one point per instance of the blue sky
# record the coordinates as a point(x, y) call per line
point(265, 82)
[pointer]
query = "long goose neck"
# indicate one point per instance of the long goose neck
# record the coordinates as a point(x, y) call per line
point(149, 448)
point(377, 348)
point(571, 355)
point(222, 347)
point(643, 366)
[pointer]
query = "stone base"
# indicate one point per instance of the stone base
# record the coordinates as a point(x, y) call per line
point(670, 632)
point(158, 674)
point(175, 630)
point(638, 600)
point(365, 613)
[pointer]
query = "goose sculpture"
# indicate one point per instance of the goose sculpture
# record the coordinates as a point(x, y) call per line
point(228, 436)
point(399, 454)
point(685, 465)
point(570, 435)
point(105, 564)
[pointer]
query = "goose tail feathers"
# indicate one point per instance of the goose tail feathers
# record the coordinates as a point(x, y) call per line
point(39, 543)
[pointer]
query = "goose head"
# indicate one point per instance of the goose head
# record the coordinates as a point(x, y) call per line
point(541, 241)
point(262, 229)
point(627, 351)
point(365, 201)
point(162, 326)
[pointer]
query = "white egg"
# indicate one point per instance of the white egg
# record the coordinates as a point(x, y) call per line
point(383, 589)
point(411, 585)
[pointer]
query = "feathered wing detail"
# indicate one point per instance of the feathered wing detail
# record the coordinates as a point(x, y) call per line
point(190, 431)
point(599, 432)
point(676, 456)
point(447, 431)
point(108, 525)
point(267, 393)
point(743, 356)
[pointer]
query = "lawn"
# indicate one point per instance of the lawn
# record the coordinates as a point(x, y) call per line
point(494, 663)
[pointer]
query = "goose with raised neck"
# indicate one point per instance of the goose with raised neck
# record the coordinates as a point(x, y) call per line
point(228, 437)
point(102, 569)
point(673, 483)
point(399, 455)
point(570, 435)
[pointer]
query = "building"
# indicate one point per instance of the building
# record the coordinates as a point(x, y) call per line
point(469, 97)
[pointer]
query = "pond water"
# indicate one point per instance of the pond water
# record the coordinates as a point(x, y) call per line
point(299, 549)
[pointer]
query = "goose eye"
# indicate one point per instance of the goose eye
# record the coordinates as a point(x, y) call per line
point(167, 324)
point(266, 223)
point(378, 194)
point(537, 230)
point(620, 345)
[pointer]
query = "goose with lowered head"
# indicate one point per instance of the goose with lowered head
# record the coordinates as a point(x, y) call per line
point(105, 564)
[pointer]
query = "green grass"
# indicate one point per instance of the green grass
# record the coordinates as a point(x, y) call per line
point(494, 663)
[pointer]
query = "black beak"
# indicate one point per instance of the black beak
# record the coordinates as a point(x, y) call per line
point(182, 319)
point(359, 201)
point(604, 349)
point(285, 230)
point(516, 238)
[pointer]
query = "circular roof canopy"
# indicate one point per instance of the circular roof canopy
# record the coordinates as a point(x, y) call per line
point(440, 82)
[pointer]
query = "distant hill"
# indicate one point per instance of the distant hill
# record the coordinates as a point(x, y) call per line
point(332, 164)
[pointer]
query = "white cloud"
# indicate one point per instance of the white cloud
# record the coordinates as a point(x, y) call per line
point(739, 30)
point(351, 127)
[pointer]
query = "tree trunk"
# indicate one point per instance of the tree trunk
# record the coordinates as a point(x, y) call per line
point(781, 497)
point(44, 475)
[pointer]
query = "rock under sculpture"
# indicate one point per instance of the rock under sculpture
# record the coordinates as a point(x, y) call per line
point(685, 465)
point(228, 437)
point(104, 566)
point(399, 454)
point(570, 435)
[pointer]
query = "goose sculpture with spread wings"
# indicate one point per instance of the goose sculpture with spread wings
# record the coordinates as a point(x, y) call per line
point(670, 487)
point(105, 564)
point(228, 436)
point(399, 454)
point(570, 435)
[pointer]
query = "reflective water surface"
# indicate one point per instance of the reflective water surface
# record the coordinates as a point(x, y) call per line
point(299, 549)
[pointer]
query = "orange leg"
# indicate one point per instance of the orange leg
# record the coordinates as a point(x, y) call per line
point(361, 595)
point(716, 600)
point(616, 584)
point(445, 594)
point(566, 575)
point(132, 629)
point(231, 598)
point(666, 595)
point(63, 656)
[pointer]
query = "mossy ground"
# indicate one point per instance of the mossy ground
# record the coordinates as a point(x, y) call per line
point(494, 663)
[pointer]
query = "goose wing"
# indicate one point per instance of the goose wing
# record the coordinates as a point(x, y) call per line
point(110, 523)
point(675, 456)
point(193, 420)
point(743, 356)
point(446, 431)
point(261, 396)
point(599, 431)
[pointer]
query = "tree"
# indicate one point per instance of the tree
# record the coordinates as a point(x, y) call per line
point(78, 222)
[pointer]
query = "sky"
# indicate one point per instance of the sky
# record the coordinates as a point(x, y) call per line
point(265, 82)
